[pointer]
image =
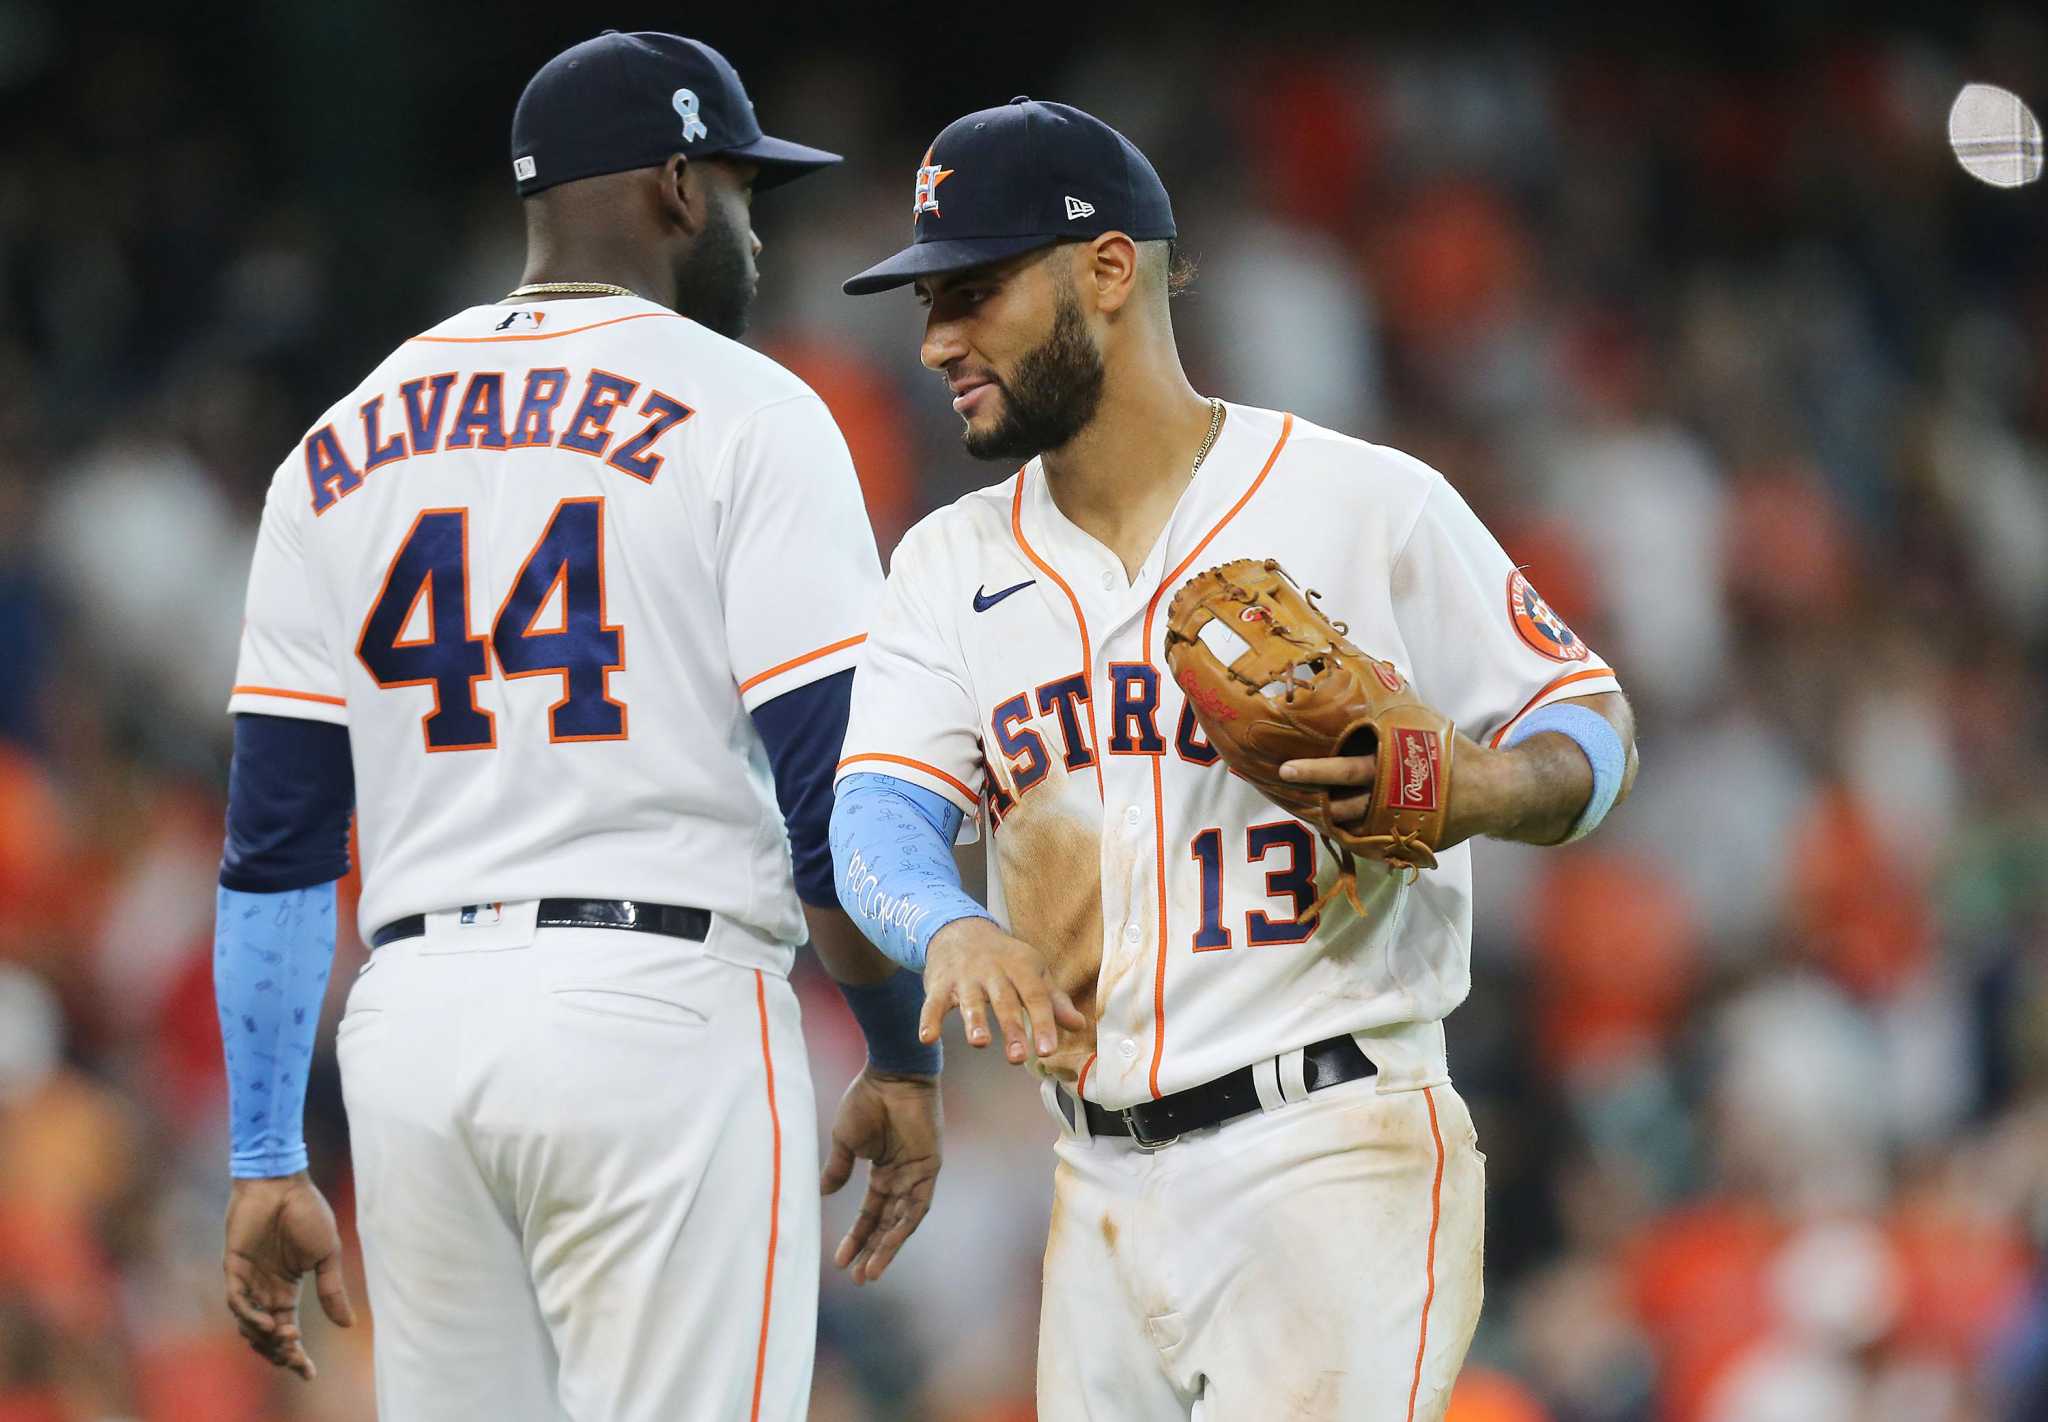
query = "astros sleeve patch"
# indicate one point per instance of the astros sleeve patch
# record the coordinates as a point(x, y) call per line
point(1540, 627)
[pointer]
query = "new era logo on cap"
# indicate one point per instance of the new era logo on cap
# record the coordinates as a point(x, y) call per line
point(522, 167)
point(1076, 209)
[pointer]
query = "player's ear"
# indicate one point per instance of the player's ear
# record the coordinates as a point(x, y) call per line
point(680, 194)
point(1111, 270)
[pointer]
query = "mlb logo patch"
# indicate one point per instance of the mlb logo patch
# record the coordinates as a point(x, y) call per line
point(482, 928)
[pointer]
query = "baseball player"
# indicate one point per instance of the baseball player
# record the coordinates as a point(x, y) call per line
point(1268, 1198)
point(564, 599)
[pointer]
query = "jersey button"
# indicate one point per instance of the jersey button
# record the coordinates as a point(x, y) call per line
point(1130, 933)
point(1109, 582)
point(1131, 816)
point(1127, 1049)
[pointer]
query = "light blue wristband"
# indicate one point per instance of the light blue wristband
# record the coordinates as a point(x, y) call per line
point(1593, 734)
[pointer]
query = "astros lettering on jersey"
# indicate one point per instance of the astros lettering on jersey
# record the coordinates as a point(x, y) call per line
point(1017, 670)
point(434, 573)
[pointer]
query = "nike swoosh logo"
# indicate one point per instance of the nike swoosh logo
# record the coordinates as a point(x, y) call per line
point(984, 601)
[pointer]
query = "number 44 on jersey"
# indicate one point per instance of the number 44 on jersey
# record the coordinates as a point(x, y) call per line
point(427, 585)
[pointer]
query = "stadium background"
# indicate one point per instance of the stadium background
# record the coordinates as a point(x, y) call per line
point(1699, 313)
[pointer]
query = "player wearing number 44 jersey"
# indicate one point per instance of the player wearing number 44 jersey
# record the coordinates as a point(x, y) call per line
point(1268, 1201)
point(565, 599)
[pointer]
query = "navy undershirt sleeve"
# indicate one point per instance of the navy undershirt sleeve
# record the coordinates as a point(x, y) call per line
point(803, 731)
point(291, 790)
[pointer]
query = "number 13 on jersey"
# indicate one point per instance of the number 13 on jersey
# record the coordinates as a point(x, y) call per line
point(428, 583)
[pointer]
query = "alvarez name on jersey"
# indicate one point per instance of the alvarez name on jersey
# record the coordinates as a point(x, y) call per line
point(1017, 670)
point(542, 563)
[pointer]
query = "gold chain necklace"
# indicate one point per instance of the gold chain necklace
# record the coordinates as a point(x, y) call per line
point(1208, 440)
point(568, 288)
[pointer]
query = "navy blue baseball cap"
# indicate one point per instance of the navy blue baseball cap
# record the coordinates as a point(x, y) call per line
point(620, 102)
point(1025, 175)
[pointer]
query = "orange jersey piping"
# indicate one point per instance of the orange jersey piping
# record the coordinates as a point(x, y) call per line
point(774, 1199)
point(914, 765)
point(1566, 680)
point(288, 695)
point(1158, 786)
point(545, 335)
point(1436, 1200)
point(794, 662)
point(1087, 648)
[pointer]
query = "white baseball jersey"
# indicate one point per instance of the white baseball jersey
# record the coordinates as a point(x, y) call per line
point(1017, 670)
point(542, 562)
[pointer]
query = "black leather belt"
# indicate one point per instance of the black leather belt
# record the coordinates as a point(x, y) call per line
point(628, 914)
point(1158, 1123)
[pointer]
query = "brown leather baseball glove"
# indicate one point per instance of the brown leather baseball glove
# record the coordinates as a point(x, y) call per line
point(1272, 679)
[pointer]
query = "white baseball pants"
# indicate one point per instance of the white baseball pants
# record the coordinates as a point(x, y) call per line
point(1317, 1261)
point(586, 1182)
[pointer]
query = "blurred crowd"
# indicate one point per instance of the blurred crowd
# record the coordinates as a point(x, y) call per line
point(1729, 354)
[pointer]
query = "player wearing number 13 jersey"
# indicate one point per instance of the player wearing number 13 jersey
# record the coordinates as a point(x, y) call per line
point(565, 595)
point(1268, 1200)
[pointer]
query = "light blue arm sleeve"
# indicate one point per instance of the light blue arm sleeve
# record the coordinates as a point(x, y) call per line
point(892, 848)
point(271, 956)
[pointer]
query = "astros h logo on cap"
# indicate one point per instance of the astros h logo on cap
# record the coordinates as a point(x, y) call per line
point(928, 179)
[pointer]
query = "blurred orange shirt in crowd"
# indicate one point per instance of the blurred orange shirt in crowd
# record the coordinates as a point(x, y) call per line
point(1486, 1396)
point(1789, 556)
point(1698, 1279)
point(1318, 137)
point(1613, 956)
point(210, 1377)
point(32, 846)
point(38, 1405)
point(1967, 1274)
point(870, 414)
point(1452, 262)
point(1860, 913)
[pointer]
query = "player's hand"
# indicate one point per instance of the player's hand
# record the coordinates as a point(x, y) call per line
point(1348, 778)
point(1480, 796)
point(892, 1122)
point(975, 966)
point(277, 1231)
